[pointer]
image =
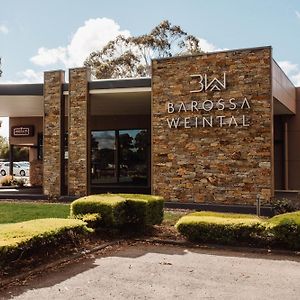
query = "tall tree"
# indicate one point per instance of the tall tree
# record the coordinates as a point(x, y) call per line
point(131, 56)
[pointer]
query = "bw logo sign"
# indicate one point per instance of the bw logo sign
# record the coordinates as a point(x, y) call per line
point(208, 84)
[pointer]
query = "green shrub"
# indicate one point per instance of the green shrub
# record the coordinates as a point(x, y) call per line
point(110, 207)
point(27, 237)
point(136, 212)
point(92, 220)
point(281, 206)
point(121, 209)
point(281, 230)
point(155, 207)
point(219, 229)
point(285, 229)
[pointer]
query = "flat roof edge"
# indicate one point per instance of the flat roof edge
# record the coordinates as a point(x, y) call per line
point(22, 89)
point(122, 83)
point(274, 61)
point(213, 52)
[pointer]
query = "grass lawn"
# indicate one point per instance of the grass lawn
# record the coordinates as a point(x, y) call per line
point(13, 212)
point(172, 216)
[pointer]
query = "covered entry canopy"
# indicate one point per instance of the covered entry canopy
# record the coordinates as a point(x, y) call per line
point(130, 95)
point(21, 100)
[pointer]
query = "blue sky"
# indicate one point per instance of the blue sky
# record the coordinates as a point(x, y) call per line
point(42, 35)
point(27, 26)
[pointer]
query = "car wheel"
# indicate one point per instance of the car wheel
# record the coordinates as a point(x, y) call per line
point(3, 172)
point(22, 173)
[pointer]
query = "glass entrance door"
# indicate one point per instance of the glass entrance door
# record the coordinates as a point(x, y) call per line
point(133, 157)
point(120, 158)
point(103, 157)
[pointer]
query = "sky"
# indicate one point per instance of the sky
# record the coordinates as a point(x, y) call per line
point(36, 36)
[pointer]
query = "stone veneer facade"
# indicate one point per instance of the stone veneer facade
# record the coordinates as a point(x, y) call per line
point(53, 116)
point(221, 165)
point(36, 172)
point(78, 162)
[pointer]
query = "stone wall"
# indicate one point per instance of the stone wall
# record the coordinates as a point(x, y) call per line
point(78, 164)
point(36, 173)
point(225, 157)
point(53, 112)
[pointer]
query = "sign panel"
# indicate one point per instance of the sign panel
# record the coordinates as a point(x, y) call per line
point(22, 131)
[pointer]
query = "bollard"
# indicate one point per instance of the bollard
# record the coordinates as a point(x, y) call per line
point(258, 205)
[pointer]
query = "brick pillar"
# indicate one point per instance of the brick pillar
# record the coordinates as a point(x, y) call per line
point(78, 164)
point(53, 128)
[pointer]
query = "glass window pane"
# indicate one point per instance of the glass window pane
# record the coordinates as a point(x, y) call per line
point(103, 157)
point(133, 157)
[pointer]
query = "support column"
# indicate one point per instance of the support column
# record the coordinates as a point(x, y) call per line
point(286, 155)
point(78, 164)
point(53, 133)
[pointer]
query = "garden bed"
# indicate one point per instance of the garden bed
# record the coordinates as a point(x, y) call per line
point(19, 241)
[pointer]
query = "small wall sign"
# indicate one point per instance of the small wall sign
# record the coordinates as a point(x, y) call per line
point(22, 131)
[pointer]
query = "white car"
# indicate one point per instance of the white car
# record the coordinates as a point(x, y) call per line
point(18, 169)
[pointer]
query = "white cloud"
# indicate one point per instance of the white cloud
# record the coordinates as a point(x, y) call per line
point(206, 46)
point(288, 67)
point(297, 13)
point(296, 79)
point(93, 35)
point(27, 76)
point(30, 76)
point(3, 29)
point(291, 70)
point(49, 56)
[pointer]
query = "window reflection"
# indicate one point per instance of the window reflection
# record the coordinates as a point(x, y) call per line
point(133, 156)
point(103, 157)
point(120, 157)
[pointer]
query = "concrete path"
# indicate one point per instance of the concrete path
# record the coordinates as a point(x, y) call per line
point(168, 272)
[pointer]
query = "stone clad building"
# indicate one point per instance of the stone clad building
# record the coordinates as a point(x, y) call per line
point(218, 128)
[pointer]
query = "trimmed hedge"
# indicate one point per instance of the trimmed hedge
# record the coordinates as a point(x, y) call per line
point(154, 209)
point(219, 229)
point(111, 208)
point(118, 210)
point(282, 230)
point(285, 229)
point(24, 238)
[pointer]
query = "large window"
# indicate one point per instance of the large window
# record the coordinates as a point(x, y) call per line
point(120, 157)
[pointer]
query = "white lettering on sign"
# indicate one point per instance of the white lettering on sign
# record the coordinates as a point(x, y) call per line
point(21, 131)
point(207, 106)
point(208, 109)
point(208, 84)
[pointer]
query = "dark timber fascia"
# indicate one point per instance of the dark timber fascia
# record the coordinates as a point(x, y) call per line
point(121, 83)
point(33, 89)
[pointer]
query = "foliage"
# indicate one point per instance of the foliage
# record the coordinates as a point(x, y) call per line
point(19, 153)
point(285, 229)
point(219, 229)
point(4, 148)
point(282, 230)
point(26, 237)
point(131, 56)
point(92, 220)
point(13, 212)
point(121, 210)
point(281, 206)
point(223, 215)
point(11, 181)
point(110, 207)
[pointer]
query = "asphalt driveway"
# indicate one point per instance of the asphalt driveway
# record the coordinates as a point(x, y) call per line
point(168, 272)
